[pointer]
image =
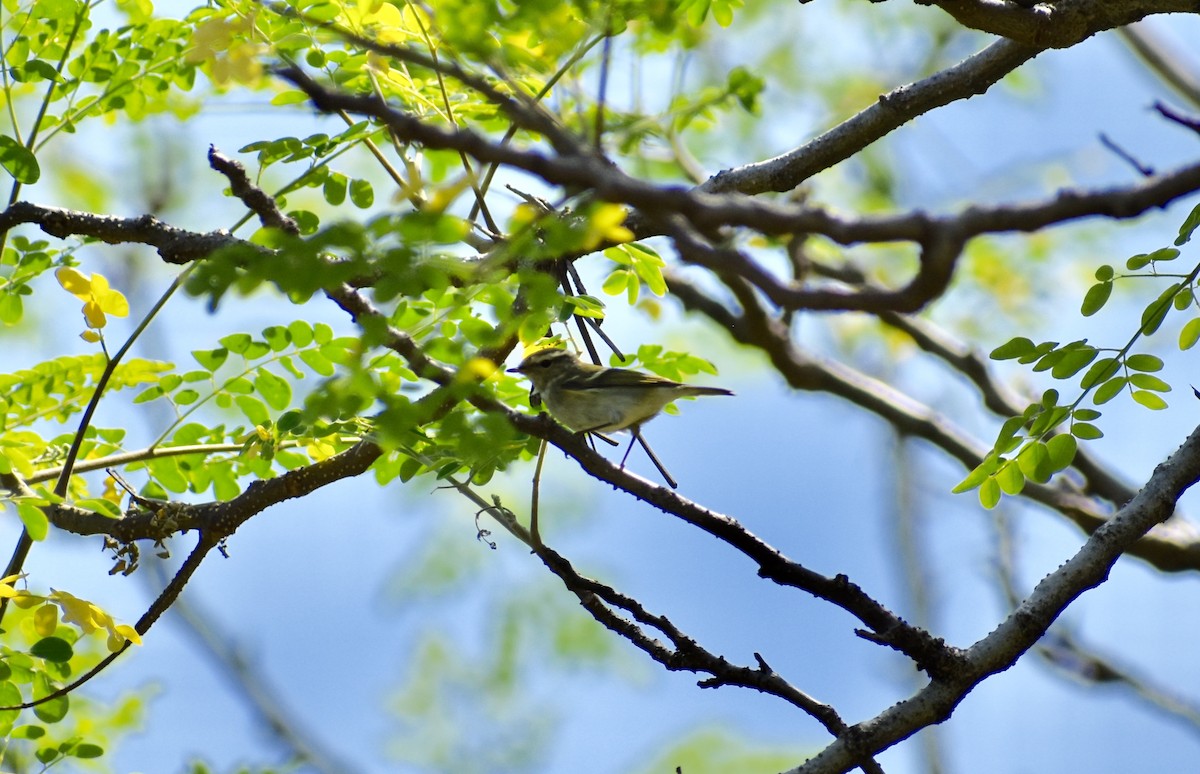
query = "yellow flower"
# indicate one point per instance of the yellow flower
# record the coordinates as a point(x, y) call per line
point(605, 223)
point(98, 298)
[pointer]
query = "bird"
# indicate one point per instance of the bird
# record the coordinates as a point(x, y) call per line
point(594, 399)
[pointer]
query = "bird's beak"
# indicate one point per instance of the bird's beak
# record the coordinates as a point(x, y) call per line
point(516, 370)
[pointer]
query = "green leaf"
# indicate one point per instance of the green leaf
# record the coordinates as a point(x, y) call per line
point(1085, 414)
point(1109, 390)
point(1048, 420)
point(289, 421)
point(1103, 369)
point(335, 187)
point(236, 343)
point(1149, 382)
point(254, 409)
point(409, 468)
point(1136, 262)
point(10, 696)
point(1009, 430)
point(53, 710)
point(98, 505)
point(1088, 432)
point(239, 386)
point(1062, 448)
point(1190, 334)
point(1189, 225)
point(1010, 478)
point(12, 308)
point(616, 282)
point(1013, 348)
point(277, 337)
point(18, 161)
point(989, 493)
point(1156, 311)
point(54, 649)
point(584, 306)
point(1104, 273)
point(301, 332)
point(35, 521)
point(1038, 351)
point(1096, 297)
point(186, 397)
point(619, 255)
point(1144, 362)
point(256, 350)
point(362, 194)
point(1034, 461)
point(275, 390)
point(211, 359)
point(149, 394)
point(977, 476)
point(1049, 360)
point(1073, 362)
point(1151, 400)
point(87, 750)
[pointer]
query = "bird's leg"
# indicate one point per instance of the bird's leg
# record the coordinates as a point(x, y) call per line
point(637, 435)
point(629, 448)
point(591, 433)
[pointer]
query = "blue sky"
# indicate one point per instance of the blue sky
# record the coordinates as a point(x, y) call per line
point(306, 586)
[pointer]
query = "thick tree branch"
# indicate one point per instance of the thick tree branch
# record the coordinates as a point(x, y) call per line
point(1059, 24)
point(175, 245)
point(1000, 649)
point(218, 518)
point(972, 76)
point(941, 238)
point(1063, 651)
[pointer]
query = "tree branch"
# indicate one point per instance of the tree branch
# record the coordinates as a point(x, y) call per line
point(685, 655)
point(1162, 60)
point(175, 245)
point(1060, 24)
point(974, 75)
point(1000, 649)
point(1172, 547)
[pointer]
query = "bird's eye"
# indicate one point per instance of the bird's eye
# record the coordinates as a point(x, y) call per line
point(544, 365)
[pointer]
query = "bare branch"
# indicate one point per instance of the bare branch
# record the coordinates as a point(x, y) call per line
point(972, 76)
point(685, 655)
point(1061, 24)
point(1088, 568)
point(1062, 650)
point(175, 245)
point(256, 199)
point(1154, 50)
point(218, 518)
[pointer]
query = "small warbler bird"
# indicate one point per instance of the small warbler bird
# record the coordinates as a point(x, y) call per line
point(593, 399)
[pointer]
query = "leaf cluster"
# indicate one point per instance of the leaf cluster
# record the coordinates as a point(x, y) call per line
point(1032, 446)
